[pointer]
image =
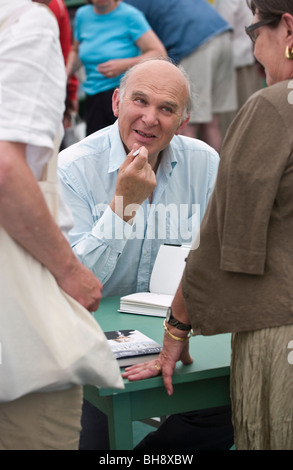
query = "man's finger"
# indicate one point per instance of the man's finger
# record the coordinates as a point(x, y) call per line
point(131, 156)
point(141, 159)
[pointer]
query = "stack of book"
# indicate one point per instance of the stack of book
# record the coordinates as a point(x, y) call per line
point(165, 278)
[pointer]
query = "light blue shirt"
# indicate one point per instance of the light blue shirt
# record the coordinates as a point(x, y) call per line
point(122, 255)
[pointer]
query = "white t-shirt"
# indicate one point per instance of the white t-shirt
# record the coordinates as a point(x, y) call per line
point(32, 82)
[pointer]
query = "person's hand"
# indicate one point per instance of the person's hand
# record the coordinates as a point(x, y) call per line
point(173, 351)
point(71, 109)
point(112, 68)
point(81, 284)
point(135, 182)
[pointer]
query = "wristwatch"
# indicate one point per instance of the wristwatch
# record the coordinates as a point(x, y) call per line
point(173, 322)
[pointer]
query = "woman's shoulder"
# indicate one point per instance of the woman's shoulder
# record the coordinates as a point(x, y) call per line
point(269, 110)
point(84, 11)
point(275, 94)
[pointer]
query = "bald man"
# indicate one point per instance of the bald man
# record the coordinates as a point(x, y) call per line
point(134, 186)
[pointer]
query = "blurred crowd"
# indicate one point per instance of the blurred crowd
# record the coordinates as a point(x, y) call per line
point(207, 37)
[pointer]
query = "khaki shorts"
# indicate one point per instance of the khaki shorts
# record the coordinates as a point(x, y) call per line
point(42, 421)
point(213, 78)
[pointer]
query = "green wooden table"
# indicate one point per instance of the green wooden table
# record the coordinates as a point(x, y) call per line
point(203, 384)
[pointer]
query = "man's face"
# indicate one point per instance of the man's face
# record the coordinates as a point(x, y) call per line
point(152, 106)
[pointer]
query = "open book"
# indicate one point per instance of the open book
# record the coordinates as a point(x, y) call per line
point(132, 347)
point(165, 278)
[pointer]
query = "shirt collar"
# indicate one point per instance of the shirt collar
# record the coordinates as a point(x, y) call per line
point(118, 154)
point(169, 160)
point(117, 150)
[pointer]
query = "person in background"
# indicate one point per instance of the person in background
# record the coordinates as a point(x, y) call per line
point(239, 280)
point(109, 37)
point(117, 201)
point(31, 111)
point(59, 9)
point(248, 76)
point(198, 38)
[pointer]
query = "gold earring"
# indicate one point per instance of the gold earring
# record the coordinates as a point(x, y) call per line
point(289, 53)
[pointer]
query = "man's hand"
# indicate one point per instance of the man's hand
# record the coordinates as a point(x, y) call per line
point(136, 182)
point(81, 284)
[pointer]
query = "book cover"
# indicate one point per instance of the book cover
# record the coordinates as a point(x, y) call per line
point(131, 346)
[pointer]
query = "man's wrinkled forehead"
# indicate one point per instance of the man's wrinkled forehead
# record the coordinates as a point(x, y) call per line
point(157, 79)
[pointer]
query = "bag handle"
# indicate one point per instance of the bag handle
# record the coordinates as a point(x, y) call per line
point(50, 169)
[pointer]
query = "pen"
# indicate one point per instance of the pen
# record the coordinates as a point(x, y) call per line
point(136, 152)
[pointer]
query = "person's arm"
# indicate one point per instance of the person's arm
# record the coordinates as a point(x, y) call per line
point(149, 45)
point(73, 62)
point(175, 348)
point(25, 216)
point(65, 34)
point(100, 233)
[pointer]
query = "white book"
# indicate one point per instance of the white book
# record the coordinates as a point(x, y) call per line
point(165, 278)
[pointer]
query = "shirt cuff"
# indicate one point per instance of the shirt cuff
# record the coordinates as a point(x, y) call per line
point(242, 261)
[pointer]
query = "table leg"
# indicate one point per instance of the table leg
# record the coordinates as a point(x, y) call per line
point(120, 423)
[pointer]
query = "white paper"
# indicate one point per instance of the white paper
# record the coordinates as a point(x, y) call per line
point(168, 269)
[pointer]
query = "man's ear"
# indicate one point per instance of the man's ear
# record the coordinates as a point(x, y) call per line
point(115, 102)
point(182, 125)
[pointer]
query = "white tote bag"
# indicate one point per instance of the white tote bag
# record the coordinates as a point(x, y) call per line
point(48, 341)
